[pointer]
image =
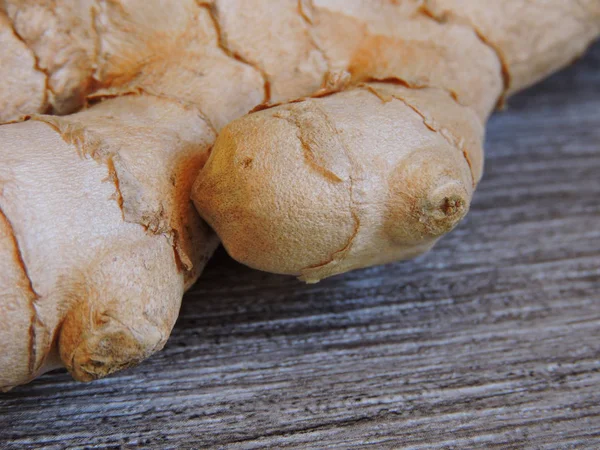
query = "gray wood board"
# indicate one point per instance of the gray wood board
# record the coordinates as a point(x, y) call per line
point(491, 340)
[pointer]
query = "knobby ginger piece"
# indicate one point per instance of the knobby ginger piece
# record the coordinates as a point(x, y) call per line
point(322, 186)
point(100, 236)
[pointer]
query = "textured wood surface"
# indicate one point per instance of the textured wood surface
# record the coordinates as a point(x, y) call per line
point(491, 340)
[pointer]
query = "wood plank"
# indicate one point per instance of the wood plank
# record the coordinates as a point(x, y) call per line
point(491, 340)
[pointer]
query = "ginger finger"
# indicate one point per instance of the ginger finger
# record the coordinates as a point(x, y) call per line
point(253, 189)
point(117, 218)
point(103, 238)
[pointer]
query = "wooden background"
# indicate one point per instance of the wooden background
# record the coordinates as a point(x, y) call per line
point(492, 339)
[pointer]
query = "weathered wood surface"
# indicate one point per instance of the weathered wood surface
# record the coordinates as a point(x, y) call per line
point(492, 340)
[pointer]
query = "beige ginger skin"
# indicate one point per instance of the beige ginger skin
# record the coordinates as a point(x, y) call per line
point(379, 172)
point(97, 234)
point(365, 147)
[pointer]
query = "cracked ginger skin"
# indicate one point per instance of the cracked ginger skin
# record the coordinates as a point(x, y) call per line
point(367, 150)
point(379, 172)
point(256, 195)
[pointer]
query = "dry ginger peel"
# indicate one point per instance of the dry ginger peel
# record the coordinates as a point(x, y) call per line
point(365, 147)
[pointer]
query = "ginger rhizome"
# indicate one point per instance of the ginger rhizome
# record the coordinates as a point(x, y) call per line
point(365, 147)
point(380, 171)
point(98, 235)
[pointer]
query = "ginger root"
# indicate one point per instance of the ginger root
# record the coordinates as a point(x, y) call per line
point(365, 147)
point(98, 236)
point(379, 172)
point(360, 209)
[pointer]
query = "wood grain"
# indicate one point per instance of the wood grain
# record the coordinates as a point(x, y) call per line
point(490, 341)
